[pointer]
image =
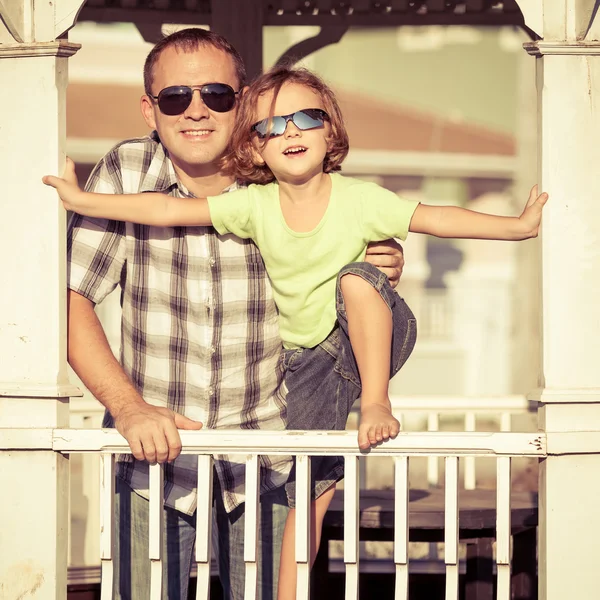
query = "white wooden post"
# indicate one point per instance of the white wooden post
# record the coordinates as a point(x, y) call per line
point(34, 387)
point(568, 84)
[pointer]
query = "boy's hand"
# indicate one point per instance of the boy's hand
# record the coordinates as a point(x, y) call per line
point(377, 424)
point(67, 187)
point(531, 217)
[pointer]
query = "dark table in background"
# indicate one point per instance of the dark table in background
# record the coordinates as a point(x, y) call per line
point(477, 528)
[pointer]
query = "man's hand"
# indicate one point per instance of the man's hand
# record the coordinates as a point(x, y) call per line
point(151, 431)
point(67, 186)
point(377, 424)
point(388, 257)
point(532, 214)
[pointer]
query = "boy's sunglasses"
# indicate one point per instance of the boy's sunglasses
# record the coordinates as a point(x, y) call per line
point(175, 99)
point(308, 118)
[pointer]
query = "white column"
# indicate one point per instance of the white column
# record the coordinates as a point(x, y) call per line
point(568, 83)
point(34, 388)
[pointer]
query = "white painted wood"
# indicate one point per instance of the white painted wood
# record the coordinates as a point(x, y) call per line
point(155, 530)
point(34, 520)
point(65, 15)
point(505, 421)
point(204, 526)
point(567, 19)
point(503, 526)
point(303, 532)
point(460, 404)
point(18, 21)
point(313, 442)
point(533, 14)
point(107, 495)
point(451, 527)
point(251, 526)
point(470, 475)
point(351, 525)
point(433, 469)
point(568, 84)
point(401, 526)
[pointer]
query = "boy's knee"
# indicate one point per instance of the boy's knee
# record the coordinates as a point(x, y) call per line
point(352, 284)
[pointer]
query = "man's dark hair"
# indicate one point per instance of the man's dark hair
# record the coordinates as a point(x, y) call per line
point(189, 40)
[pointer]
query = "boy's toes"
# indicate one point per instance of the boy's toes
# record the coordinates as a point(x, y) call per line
point(363, 440)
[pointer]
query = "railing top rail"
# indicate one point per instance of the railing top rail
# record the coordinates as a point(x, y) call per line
point(418, 403)
point(284, 442)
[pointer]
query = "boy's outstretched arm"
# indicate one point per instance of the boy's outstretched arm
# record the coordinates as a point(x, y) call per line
point(455, 222)
point(148, 209)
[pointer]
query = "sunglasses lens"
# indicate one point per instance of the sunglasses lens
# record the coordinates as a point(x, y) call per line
point(275, 127)
point(218, 97)
point(174, 100)
point(308, 119)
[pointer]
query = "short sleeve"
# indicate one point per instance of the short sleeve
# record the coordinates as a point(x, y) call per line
point(385, 214)
point(232, 213)
point(96, 247)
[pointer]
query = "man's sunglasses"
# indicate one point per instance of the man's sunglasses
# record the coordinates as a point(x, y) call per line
point(175, 99)
point(308, 118)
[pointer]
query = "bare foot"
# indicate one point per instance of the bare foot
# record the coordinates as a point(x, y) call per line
point(377, 424)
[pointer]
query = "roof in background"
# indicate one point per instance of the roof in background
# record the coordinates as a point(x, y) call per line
point(100, 111)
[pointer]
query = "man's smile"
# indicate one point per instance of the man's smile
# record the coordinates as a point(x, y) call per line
point(196, 133)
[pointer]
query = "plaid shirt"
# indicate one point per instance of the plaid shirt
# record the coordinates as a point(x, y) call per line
point(199, 328)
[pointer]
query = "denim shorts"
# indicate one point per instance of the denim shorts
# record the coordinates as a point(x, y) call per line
point(323, 382)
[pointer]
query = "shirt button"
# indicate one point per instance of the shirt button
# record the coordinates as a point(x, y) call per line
point(212, 349)
point(212, 262)
point(211, 392)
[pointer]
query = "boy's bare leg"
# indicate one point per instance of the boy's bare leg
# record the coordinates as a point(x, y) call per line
point(370, 333)
point(287, 567)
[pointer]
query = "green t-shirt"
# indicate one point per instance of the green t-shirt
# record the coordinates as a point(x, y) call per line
point(303, 266)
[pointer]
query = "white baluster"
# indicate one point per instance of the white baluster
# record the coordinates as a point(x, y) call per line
point(505, 421)
point(433, 472)
point(351, 522)
point(401, 526)
point(155, 529)
point(451, 528)
point(204, 526)
point(303, 501)
point(107, 496)
point(469, 462)
point(503, 526)
point(251, 526)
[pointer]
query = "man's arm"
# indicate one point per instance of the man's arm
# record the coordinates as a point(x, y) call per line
point(388, 257)
point(151, 431)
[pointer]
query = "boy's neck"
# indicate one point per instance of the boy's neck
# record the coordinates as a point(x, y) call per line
point(313, 189)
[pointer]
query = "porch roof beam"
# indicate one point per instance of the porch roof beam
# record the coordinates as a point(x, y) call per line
point(146, 15)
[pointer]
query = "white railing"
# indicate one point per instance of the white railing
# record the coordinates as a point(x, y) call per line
point(417, 413)
point(451, 446)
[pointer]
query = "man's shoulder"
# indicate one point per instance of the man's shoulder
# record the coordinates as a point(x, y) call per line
point(128, 152)
point(131, 166)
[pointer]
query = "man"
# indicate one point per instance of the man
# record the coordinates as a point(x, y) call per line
point(200, 337)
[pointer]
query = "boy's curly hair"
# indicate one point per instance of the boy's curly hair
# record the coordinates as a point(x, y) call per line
point(240, 160)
